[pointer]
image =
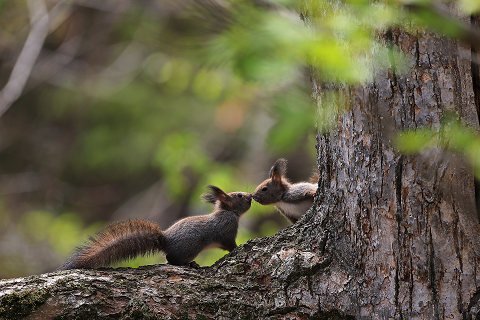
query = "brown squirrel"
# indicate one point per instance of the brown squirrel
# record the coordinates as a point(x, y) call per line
point(291, 199)
point(181, 243)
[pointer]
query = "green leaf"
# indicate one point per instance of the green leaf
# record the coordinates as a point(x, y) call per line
point(414, 141)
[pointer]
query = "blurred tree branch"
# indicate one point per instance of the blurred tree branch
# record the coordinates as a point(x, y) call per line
point(39, 28)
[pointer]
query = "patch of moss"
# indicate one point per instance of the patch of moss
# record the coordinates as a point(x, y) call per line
point(21, 304)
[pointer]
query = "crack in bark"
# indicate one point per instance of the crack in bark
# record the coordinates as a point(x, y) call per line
point(475, 70)
point(398, 217)
point(457, 87)
point(473, 307)
point(398, 190)
point(458, 256)
point(410, 287)
point(432, 276)
point(437, 94)
point(301, 271)
point(417, 52)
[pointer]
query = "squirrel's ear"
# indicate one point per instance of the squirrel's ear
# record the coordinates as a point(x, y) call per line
point(215, 194)
point(278, 170)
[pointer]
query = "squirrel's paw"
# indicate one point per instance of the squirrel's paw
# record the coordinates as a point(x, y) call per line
point(194, 265)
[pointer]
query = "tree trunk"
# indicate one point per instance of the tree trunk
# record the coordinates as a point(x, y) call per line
point(406, 225)
point(389, 236)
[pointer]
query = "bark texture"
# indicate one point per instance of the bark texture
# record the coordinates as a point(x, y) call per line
point(407, 223)
point(389, 236)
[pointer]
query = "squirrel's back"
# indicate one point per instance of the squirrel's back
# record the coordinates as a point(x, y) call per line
point(185, 239)
point(117, 242)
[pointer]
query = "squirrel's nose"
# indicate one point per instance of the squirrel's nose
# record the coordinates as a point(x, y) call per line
point(249, 197)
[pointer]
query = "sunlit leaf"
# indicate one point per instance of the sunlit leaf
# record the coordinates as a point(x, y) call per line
point(469, 6)
point(414, 141)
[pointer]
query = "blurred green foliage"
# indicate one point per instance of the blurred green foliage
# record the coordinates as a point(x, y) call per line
point(43, 226)
point(452, 136)
point(469, 6)
point(183, 93)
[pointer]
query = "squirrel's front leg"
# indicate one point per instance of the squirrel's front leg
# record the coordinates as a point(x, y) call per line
point(229, 245)
point(194, 265)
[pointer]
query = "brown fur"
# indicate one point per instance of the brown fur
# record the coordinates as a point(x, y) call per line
point(181, 243)
point(271, 190)
point(124, 240)
point(215, 194)
point(291, 199)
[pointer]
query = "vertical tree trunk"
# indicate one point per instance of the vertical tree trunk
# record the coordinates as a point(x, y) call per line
point(406, 224)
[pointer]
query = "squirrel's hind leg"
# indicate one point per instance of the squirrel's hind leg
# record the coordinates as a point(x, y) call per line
point(179, 261)
point(174, 261)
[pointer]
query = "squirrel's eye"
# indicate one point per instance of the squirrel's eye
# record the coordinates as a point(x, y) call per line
point(239, 195)
point(264, 189)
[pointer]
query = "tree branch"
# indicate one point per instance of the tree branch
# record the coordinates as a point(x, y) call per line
point(265, 278)
point(39, 21)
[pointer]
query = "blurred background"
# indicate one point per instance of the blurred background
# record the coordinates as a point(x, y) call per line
point(120, 109)
point(129, 109)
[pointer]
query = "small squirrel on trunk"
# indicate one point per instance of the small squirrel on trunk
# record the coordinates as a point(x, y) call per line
point(291, 199)
point(181, 242)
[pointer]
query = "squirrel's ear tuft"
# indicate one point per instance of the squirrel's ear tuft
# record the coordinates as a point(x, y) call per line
point(278, 170)
point(215, 194)
point(208, 197)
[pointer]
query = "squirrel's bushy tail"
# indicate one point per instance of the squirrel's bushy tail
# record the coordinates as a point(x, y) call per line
point(120, 241)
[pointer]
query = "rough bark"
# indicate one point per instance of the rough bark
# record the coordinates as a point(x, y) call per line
point(266, 278)
point(408, 223)
point(389, 236)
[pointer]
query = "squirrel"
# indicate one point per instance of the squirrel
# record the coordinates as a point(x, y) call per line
point(181, 242)
point(291, 199)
